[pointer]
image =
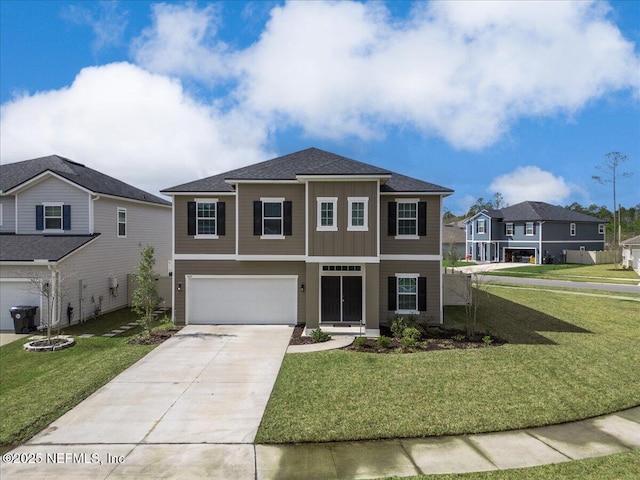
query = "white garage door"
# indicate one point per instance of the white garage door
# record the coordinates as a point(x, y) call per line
point(16, 292)
point(241, 299)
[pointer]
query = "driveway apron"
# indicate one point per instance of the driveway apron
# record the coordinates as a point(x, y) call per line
point(205, 385)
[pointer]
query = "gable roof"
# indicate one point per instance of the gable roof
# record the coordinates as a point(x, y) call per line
point(309, 162)
point(27, 248)
point(453, 234)
point(631, 241)
point(13, 175)
point(537, 211)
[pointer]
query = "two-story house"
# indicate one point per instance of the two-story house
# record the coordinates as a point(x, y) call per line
point(61, 221)
point(310, 237)
point(531, 230)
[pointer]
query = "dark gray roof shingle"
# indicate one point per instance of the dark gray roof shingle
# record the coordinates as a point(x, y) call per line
point(26, 248)
point(535, 211)
point(311, 161)
point(15, 174)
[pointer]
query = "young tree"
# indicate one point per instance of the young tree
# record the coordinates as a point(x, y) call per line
point(610, 175)
point(145, 297)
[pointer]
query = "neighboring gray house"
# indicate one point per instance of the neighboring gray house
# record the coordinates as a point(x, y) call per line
point(60, 220)
point(631, 253)
point(310, 237)
point(454, 237)
point(531, 232)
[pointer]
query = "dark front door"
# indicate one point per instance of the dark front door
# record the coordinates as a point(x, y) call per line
point(341, 299)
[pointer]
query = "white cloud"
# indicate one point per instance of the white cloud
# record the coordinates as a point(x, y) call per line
point(131, 124)
point(105, 18)
point(532, 183)
point(463, 71)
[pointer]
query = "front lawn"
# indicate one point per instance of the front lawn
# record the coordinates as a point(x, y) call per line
point(37, 387)
point(607, 273)
point(568, 358)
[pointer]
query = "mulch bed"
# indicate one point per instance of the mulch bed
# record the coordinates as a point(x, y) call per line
point(156, 337)
point(438, 338)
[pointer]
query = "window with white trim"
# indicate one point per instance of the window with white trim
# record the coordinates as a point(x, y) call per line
point(358, 213)
point(407, 292)
point(206, 219)
point(52, 216)
point(272, 217)
point(572, 229)
point(122, 222)
point(482, 225)
point(601, 228)
point(508, 228)
point(327, 214)
point(528, 229)
point(408, 218)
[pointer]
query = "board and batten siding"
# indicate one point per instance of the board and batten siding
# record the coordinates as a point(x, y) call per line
point(185, 243)
point(53, 190)
point(8, 210)
point(250, 244)
point(426, 245)
point(429, 269)
point(224, 267)
point(343, 242)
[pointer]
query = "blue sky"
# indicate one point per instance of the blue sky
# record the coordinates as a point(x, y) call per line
point(523, 98)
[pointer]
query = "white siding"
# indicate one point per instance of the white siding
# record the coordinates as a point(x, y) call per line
point(53, 190)
point(8, 210)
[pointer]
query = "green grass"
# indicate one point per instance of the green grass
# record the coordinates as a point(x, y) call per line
point(568, 358)
point(614, 467)
point(37, 387)
point(578, 273)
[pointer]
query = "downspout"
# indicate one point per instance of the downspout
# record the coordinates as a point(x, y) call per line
point(540, 223)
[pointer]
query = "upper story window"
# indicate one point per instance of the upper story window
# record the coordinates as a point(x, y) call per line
point(601, 228)
point(358, 213)
point(272, 218)
point(508, 228)
point(206, 218)
point(572, 229)
point(482, 225)
point(407, 218)
point(528, 228)
point(122, 222)
point(53, 217)
point(327, 214)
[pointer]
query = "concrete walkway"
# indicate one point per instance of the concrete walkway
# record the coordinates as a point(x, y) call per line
point(191, 409)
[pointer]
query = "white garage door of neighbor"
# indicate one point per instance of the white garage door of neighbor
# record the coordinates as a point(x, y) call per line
point(238, 300)
point(12, 293)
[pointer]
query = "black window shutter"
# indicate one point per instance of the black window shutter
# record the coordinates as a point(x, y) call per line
point(257, 217)
point(191, 218)
point(422, 219)
point(422, 294)
point(392, 290)
point(39, 217)
point(287, 208)
point(220, 212)
point(392, 219)
point(66, 217)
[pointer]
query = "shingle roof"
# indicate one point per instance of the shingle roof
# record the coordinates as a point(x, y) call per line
point(26, 248)
point(453, 234)
point(15, 174)
point(534, 211)
point(311, 161)
point(631, 241)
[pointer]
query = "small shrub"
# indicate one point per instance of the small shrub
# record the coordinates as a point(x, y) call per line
point(487, 340)
point(360, 342)
point(458, 338)
point(410, 337)
point(397, 327)
point(318, 336)
point(383, 342)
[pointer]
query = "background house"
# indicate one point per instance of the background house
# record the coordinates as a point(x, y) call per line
point(631, 253)
point(64, 223)
point(311, 237)
point(531, 231)
point(454, 239)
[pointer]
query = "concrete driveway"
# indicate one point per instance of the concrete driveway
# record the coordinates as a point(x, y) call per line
point(206, 386)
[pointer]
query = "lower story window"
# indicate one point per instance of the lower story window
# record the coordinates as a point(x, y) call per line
point(408, 293)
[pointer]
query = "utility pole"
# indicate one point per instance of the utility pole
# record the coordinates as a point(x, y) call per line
point(610, 169)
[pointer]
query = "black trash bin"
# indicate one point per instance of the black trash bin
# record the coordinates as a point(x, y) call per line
point(23, 318)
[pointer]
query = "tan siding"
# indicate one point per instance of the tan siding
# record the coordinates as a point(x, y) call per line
point(343, 242)
point(212, 267)
point(429, 245)
point(372, 300)
point(224, 244)
point(250, 244)
point(430, 270)
point(312, 289)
